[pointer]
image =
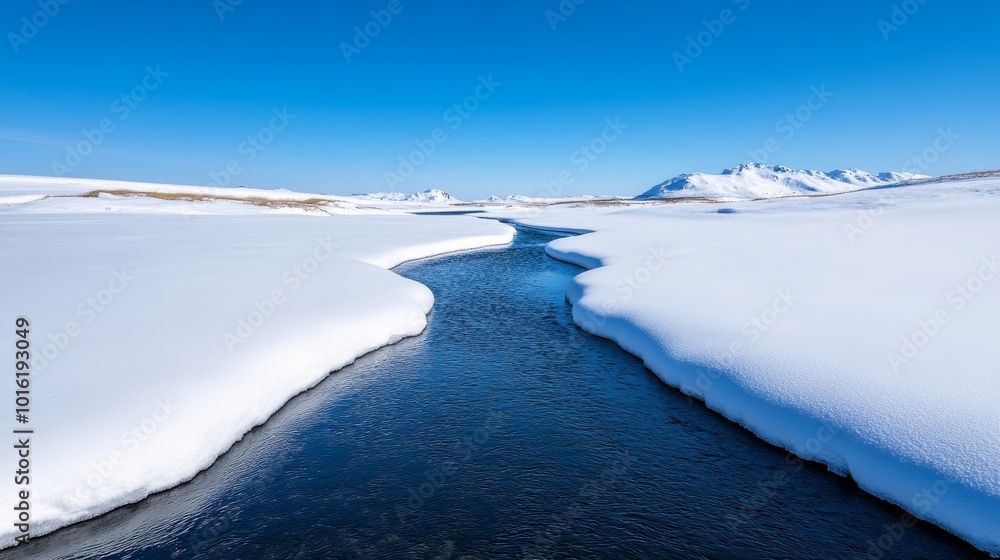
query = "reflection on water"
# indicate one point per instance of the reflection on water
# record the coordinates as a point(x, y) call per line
point(502, 432)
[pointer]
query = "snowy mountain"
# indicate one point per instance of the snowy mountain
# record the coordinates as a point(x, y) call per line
point(753, 181)
point(432, 195)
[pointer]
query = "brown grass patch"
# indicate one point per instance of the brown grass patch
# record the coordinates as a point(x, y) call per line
point(307, 204)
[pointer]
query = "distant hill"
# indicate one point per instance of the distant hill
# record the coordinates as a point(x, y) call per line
point(754, 181)
point(432, 195)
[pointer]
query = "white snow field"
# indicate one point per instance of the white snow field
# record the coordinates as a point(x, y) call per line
point(858, 330)
point(755, 181)
point(25, 188)
point(163, 330)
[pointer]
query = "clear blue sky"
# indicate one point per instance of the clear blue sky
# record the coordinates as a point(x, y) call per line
point(606, 60)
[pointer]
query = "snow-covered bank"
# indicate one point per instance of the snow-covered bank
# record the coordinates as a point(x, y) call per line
point(857, 330)
point(164, 330)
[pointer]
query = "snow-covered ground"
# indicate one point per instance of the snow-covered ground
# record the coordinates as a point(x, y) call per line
point(755, 181)
point(162, 330)
point(25, 188)
point(859, 330)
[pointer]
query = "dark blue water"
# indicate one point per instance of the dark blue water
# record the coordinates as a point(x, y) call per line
point(502, 432)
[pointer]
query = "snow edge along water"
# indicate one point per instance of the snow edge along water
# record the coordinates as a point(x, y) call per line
point(50, 518)
point(916, 489)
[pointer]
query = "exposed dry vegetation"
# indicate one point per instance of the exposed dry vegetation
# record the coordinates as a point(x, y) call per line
point(307, 204)
point(972, 175)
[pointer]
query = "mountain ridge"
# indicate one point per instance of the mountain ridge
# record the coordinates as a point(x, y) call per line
point(752, 181)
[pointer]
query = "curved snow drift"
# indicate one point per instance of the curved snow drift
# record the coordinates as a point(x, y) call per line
point(858, 330)
point(163, 330)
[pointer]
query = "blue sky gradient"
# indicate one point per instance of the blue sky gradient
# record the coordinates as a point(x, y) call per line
point(217, 73)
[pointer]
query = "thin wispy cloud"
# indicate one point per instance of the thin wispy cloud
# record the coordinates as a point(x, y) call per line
point(28, 137)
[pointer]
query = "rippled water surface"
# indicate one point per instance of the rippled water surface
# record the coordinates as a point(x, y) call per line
point(501, 432)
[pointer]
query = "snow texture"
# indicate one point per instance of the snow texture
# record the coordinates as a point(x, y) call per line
point(857, 330)
point(163, 330)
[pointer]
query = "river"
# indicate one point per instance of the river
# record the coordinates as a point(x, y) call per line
point(503, 431)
